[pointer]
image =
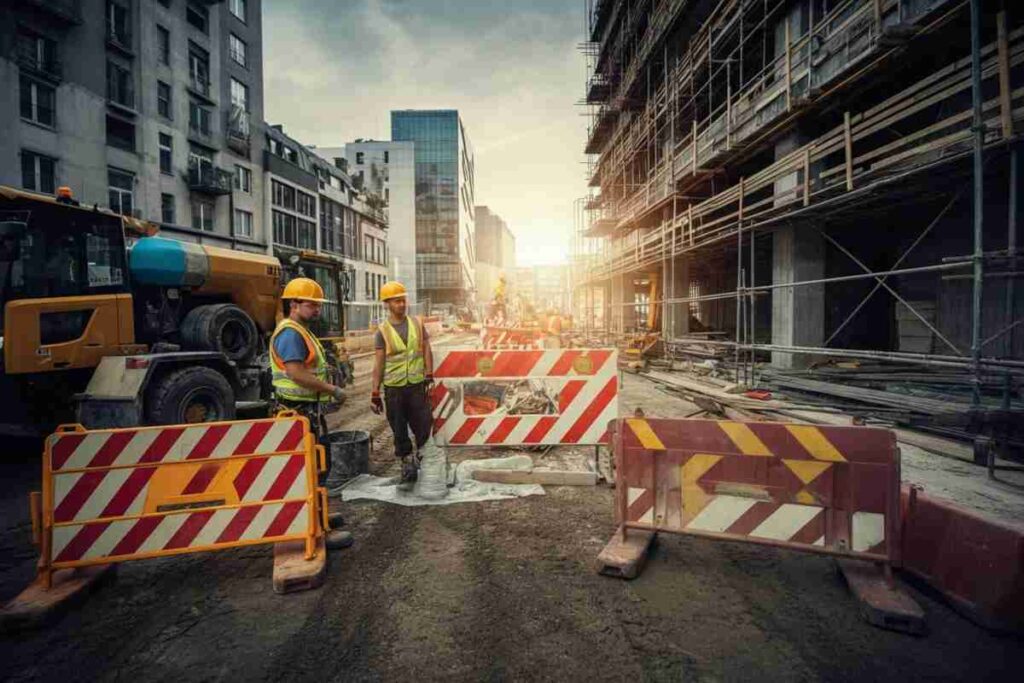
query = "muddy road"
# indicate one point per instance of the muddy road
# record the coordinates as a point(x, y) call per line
point(485, 591)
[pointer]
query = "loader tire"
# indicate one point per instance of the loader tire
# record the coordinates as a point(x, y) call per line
point(224, 328)
point(190, 395)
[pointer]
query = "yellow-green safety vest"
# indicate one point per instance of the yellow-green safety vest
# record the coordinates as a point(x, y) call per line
point(316, 361)
point(403, 363)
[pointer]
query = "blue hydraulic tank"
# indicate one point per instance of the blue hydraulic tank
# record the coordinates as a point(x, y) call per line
point(168, 263)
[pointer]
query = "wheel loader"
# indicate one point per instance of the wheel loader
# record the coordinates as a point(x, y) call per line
point(109, 325)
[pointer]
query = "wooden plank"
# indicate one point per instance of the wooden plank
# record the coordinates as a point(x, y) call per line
point(537, 476)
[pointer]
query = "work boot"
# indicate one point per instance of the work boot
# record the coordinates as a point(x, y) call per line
point(335, 539)
point(409, 474)
point(335, 520)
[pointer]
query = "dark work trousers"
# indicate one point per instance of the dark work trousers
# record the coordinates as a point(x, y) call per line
point(317, 423)
point(408, 408)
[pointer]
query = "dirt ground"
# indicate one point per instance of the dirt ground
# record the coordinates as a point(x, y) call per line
point(501, 590)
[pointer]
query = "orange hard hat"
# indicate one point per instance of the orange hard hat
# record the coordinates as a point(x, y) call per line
point(305, 289)
point(392, 290)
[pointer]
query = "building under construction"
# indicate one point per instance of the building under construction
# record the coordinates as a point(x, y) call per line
point(783, 181)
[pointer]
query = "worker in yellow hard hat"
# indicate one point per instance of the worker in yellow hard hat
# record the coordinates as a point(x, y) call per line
point(300, 371)
point(403, 363)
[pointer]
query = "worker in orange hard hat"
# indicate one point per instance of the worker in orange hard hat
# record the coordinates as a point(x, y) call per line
point(300, 371)
point(403, 363)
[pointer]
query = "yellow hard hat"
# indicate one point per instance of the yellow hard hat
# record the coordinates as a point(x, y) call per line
point(392, 290)
point(304, 288)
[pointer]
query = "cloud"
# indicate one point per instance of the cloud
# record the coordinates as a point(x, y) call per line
point(334, 70)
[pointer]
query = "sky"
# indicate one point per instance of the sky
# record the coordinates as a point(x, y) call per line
point(334, 70)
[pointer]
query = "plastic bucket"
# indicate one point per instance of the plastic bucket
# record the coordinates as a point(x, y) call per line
point(349, 452)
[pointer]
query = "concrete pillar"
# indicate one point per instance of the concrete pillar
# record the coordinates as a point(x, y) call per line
point(627, 297)
point(679, 316)
point(798, 313)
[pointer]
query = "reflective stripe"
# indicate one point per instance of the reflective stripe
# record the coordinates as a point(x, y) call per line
point(284, 386)
point(403, 363)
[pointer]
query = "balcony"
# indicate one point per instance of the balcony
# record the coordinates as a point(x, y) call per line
point(210, 180)
point(121, 94)
point(28, 59)
point(119, 38)
point(238, 129)
point(199, 84)
point(67, 11)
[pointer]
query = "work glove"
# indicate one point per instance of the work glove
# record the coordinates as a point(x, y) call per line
point(338, 394)
point(428, 382)
point(376, 404)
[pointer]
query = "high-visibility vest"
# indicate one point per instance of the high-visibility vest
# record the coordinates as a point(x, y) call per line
point(403, 362)
point(316, 361)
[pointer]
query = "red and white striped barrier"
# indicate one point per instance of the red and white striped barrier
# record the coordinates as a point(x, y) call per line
point(117, 495)
point(511, 338)
point(581, 386)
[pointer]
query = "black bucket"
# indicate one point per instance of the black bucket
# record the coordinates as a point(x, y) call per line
point(349, 453)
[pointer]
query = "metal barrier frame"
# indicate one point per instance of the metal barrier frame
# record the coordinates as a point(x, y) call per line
point(315, 499)
point(893, 526)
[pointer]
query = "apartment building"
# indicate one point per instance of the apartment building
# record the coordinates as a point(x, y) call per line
point(148, 107)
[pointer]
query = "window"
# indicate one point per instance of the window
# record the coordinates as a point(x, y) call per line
point(305, 204)
point(359, 158)
point(163, 44)
point(120, 134)
point(239, 95)
point(202, 215)
point(118, 24)
point(166, 153)
point(198, 69)
point(36, 52)
point(385, 156)
point(38, 102)
point(197, 17)
point(243, 179)
point(199, 119)
point(282, 195)
point(237, 8)
point(243, 223)
point(163, 100)
point(38, 172)
point(167, 208)
point(165, 3)
point(200, 163)
point(237, 50)
point(121, 191)
point(119, 85)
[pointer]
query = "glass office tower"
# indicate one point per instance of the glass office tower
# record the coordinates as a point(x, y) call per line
point(445, 262)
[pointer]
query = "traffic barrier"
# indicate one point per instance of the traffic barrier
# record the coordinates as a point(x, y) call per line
point(511, 338)
point(116, 495)
point(829, 490)
point(975, 562)
point(501, 398)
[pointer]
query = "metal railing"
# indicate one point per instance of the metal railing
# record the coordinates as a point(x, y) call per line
point(209, 179)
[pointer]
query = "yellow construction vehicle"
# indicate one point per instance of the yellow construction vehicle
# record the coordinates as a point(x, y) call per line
point(108, 325)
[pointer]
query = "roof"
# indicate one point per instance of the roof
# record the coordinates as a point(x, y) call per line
point(136, 225)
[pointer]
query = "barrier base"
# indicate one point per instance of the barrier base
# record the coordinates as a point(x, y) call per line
point(625, 559)
point(293, 572)
point(883, 604)
point(36, 605)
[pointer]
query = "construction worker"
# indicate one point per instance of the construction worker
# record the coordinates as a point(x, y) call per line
point(299, 370)
point(404, 364)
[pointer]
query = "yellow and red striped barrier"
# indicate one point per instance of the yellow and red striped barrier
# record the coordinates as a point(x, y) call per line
point(125, 494)
point(581, 386)
point(833, 490)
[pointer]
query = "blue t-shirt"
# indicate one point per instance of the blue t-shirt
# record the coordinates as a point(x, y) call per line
point(291, 347)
